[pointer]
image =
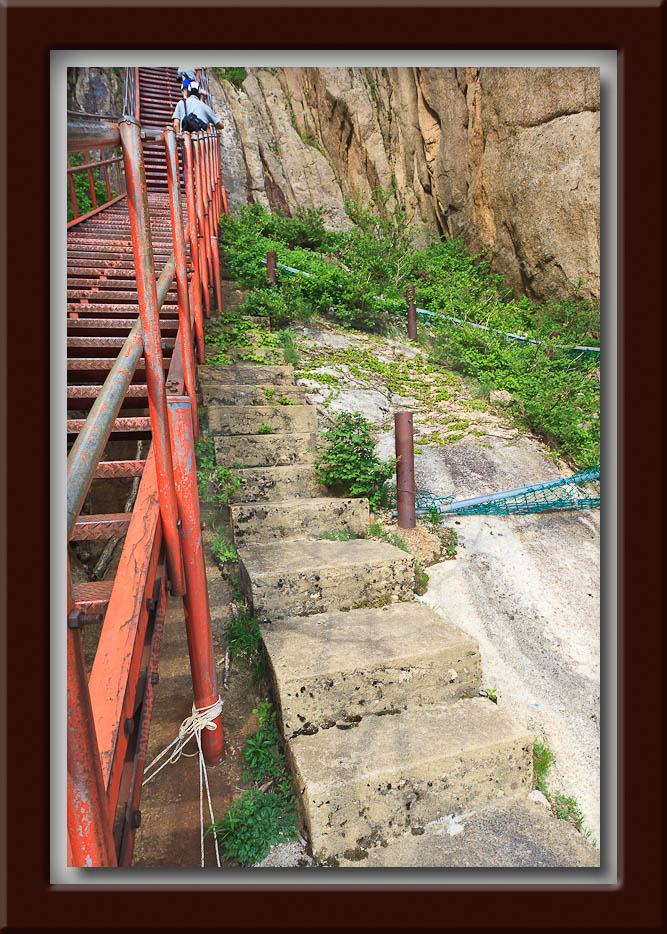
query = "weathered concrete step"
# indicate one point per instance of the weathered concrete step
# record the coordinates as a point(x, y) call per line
point(248, 419)
point(254, 375)
point(374, 780)
point(517, 834)
point(274, 484)
point(257, 321)
point(265, 450)
point(337, 667)
point(215, 393)
point(232, 296)
point(302, 578)
point(238, 354)
point(297, 520)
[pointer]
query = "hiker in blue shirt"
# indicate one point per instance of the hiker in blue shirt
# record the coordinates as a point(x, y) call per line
point(192, 114)
point(186, 75)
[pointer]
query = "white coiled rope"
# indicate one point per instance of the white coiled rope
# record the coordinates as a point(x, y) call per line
point(202, 719)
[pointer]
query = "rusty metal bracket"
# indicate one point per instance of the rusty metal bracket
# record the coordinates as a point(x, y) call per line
point(77, 618)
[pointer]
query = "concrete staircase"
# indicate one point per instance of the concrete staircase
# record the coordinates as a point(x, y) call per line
point(376, 692)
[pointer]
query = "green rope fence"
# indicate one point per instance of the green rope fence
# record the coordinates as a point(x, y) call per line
point(580, 491)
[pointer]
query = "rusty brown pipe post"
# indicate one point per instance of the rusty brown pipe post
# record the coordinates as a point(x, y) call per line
point(142, 248)
point(225, 205)
point(405, 470)
point(197, 610)
point(271, 266)
point(181, 271)
point(194, 246)
point(203, 267)
point(412, 313)
point(89, 828)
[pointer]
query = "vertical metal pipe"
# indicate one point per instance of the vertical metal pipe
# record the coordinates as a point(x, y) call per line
point(215, 154)
point(215, 177)
point(412, 313)
point(72, 194)
point(206, 202)
point(181, 271)
point(93, 194)
point(203, 265)
point(106, 182)
point(271, 266)
point(225, 205)
point(89, 827)
point(137, 95)
point(405, 470)
point(194, 245)
point(142, 247)
point(197, 610)
point(213, 219)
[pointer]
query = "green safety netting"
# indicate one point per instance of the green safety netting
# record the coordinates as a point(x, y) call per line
point(580, 491)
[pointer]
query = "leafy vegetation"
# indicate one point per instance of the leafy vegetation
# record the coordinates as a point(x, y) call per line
point(81, 184)
point(290, 350)
point(563, 806)
point(347, 461)
point(359, 279)
point(223, 551)
point(244, 640)
point(262, 816)
point(235, 75)
point(216, 484)
point(338, 535)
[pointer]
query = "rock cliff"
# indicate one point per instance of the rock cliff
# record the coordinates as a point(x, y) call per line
point(96, 90)
point(507, 158)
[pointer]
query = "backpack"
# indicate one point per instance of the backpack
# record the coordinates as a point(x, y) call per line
point(191, 122)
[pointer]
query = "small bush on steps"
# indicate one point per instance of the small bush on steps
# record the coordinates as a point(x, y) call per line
point(347, 461)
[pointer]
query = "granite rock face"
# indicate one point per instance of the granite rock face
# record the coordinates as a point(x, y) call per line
point(96, 90)
point(507, 158)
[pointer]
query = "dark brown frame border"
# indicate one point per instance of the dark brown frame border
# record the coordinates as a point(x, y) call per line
point(637, 32)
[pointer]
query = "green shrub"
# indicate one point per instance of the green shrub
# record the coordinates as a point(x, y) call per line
point(347, 461)
point(253, 823)
point(556, 391)
point(234, 75)
point(290, 349)
point(244, 640)
point(223, 551)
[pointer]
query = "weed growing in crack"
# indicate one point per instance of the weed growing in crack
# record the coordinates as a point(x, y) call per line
point(264, 815)
point(223, 551)
point(563, 806)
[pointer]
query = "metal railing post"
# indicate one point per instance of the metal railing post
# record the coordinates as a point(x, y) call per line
point(202, 193)
point(137, 200)
point(197, 610)
point(89, 827)
point(214, 217)
point(271, 266)
point(412, 312)
point(405, 470)
point(137, 95)
point(194, 245)
point(203, 239)
point(181, 271)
